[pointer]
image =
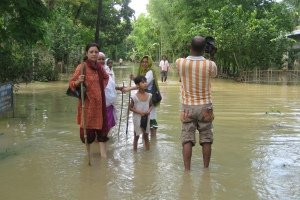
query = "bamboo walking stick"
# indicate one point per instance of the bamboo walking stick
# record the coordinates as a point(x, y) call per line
point(83, 117)
point(128, 107)
point(121, 112)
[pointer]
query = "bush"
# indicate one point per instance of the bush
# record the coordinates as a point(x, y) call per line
point(45, 72)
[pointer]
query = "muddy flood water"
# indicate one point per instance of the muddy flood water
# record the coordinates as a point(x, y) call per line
point(256, 150)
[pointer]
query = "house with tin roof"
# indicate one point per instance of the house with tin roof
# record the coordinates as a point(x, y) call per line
point(296, 36)
point(296, 48)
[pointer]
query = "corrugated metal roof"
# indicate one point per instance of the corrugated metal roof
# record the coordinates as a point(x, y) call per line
point(294, 33)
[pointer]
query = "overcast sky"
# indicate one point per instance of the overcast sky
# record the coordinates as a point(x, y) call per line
point(139, 6)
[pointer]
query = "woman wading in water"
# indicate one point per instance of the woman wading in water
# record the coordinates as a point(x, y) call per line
point(95, 79)
point(146, 69)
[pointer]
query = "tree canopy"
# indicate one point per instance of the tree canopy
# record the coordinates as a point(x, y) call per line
point(40, 37)
point(249, 33)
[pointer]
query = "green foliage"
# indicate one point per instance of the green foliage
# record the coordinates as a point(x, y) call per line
point(21, 26)
point(65, 38)
point(294, 5)
point(72, 26)
point(45, 72)
point(249, 33)
point(37, 36)
point(21, 20)
point(144, 37)
point(10, 70)
point(43, 68)
point(115, 23)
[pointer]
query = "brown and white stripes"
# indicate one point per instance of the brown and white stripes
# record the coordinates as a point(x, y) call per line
point(196, 74)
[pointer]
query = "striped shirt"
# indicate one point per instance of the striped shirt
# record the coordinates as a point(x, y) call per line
point(195, 74)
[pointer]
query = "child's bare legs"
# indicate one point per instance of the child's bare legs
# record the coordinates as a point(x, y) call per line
point(135, 141)
point(146, 141)
point(153, 131)
point(153, 126)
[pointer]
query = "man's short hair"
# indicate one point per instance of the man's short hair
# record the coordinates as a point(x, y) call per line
point(139, 79)
point(198, 44)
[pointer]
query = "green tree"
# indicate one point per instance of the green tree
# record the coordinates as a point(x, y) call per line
point(144, 37)
point(21, 26)
point(294, 5)
point(249, 33)
point(66, 38)
point(115, 22)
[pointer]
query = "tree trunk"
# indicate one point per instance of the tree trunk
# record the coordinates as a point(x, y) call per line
point(51, 4)
point(78, 12)
point(97, 33)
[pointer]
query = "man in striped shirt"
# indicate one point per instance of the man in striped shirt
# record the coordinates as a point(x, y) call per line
point(197, 110)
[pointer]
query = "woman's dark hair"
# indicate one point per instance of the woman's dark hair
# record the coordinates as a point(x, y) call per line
point(88, 46)
point(92, 44)
point(139, 79)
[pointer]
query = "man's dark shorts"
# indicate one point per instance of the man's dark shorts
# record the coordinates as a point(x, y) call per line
point(199, 118)
point(164, 73)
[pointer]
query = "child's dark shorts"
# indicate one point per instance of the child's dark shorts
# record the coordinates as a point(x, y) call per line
point(92, 134)
point(199, 118)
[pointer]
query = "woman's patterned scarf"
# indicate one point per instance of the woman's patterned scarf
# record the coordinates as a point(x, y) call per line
point(143, 70)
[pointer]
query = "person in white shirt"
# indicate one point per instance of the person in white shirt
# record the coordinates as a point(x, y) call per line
point(109, 68)
point(110, 94)
point(164, 66)
point(121, 61)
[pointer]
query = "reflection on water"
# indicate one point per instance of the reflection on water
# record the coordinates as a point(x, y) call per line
point(256, 152)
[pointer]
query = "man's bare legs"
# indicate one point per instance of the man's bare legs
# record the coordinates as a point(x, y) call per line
point(187, 155)
point(206, 153)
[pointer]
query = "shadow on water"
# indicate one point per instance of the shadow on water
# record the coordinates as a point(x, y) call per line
point(255, 152)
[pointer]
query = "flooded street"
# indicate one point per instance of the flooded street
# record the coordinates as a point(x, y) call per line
point(256, 150)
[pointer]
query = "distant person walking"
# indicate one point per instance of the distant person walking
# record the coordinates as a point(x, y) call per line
point(121, 61)
point(197, 109)
point(164, 66)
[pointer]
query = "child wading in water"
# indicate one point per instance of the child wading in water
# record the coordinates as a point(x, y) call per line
point(141, 105)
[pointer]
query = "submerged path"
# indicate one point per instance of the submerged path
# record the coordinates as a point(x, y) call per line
point(255, 155)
